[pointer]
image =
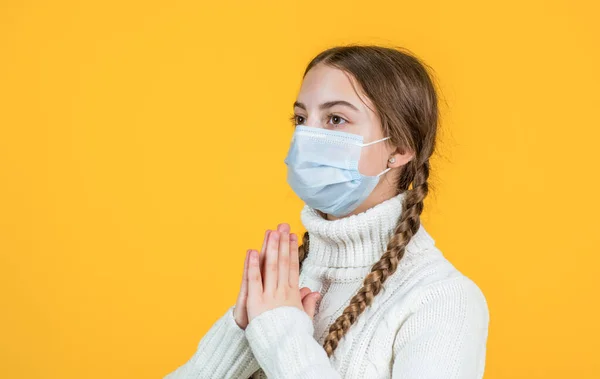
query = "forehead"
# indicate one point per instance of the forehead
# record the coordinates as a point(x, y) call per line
point(325, 83)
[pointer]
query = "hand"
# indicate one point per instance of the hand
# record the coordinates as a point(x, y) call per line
point(240, 312)
point(277, 284)
point(309, 298)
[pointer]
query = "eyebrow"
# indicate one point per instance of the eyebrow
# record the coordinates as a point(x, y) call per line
point(329, 104)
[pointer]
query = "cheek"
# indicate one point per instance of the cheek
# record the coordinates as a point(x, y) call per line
point(372, 161)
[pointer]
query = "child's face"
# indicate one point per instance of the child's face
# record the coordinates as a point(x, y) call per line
point(324, 84)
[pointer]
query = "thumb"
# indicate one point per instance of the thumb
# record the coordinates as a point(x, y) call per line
point(310, 303)
point(304, 291)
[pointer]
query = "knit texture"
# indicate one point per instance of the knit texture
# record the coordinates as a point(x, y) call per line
point(430, 321)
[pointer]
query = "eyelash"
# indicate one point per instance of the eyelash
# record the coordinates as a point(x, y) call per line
point(329, 116)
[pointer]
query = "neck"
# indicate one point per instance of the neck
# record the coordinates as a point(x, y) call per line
point(357, 240)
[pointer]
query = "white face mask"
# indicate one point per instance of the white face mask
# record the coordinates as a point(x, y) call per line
point(323, 169)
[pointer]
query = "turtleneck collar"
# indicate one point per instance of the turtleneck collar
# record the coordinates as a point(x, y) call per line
point(358, 240)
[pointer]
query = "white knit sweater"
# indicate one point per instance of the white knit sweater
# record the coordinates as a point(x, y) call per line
point(429, 322)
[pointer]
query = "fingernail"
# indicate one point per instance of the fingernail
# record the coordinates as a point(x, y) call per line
point(254, 256)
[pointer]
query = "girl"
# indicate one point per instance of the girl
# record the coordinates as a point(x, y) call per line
point(367, 294)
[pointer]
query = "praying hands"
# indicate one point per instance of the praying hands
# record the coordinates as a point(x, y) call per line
point(271, 279)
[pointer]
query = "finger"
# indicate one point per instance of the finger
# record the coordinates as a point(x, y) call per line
point(280, 228)
point(272, 255)
point(284, 260)
point(239, 310)
point(309, 303)
point(294, 262)
point(304, 291)
point(283, 227)
point(244, 285)
point(255, 286)
point(263, 249)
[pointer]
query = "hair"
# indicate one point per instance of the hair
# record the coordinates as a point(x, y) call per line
point(404, 95)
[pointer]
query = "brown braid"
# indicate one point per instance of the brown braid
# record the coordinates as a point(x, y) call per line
point(405, 98)
point(303, 249)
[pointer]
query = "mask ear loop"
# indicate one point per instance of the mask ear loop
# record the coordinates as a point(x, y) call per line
point(371, 143)
point(384, 171)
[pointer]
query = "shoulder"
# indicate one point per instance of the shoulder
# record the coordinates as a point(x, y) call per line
point(452, 308)
point(439, 284)
point(452, 311)
point(436, 289)
point(457, 292)
point(434, 280)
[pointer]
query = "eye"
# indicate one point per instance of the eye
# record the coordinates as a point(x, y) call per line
point(296, 120)
point(337, 120)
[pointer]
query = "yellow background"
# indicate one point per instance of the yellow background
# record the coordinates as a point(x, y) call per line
point(142, 147)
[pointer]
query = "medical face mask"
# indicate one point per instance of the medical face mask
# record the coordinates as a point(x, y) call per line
point(323, 169)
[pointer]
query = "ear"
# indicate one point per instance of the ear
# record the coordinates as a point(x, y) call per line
point(399, 158)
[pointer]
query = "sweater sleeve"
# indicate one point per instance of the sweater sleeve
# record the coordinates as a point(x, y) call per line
point(282, 342)
point(223, 353)
point(445, 337)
